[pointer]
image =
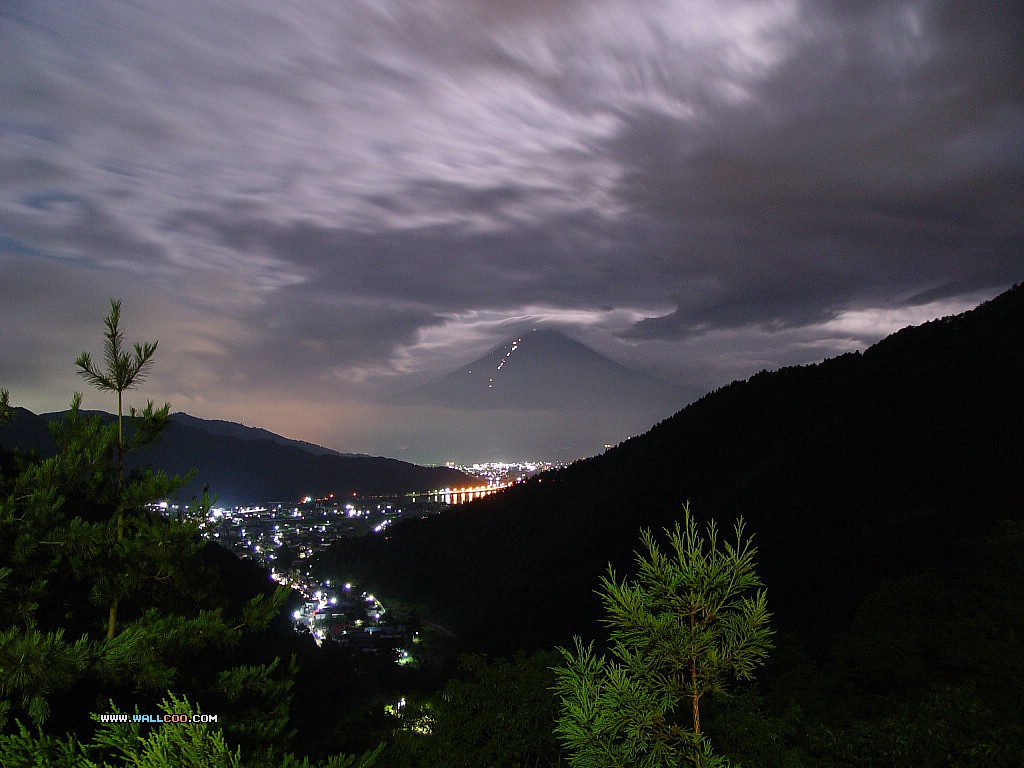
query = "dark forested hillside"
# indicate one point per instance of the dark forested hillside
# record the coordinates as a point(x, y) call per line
point(861, 468)
point(241, 465)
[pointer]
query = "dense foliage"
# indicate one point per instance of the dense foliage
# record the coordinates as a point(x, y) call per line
point(498, 713)
point(687, 622)
point(109, 603)
point(911, 682)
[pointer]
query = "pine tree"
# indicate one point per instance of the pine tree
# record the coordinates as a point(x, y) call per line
point(691, 619)
point(127, 604)
point(100, 592)
point(34, 662)
point(126, 371)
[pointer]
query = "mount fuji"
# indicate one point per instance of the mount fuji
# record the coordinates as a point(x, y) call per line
point(545, 369)
point(538, 395)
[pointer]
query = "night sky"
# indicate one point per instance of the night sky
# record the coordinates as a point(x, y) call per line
point(314, 204)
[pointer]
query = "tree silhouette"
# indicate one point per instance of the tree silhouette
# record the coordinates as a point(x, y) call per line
point(691, 619)
point(85, 554)
point(125, 370)
point(77, 533)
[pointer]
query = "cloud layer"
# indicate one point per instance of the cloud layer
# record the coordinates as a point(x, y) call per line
point(313, 203)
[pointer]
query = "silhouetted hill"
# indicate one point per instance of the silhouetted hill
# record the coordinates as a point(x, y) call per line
point(26, 432)
point(239, 465)
point(861, 468)
point(242, 432)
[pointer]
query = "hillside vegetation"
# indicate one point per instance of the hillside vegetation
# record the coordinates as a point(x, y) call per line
point(861, 468)
point(884, 492)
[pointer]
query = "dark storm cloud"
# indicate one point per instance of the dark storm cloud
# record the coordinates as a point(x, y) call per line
point(569, 261)
point(868, 168)
point(320, 196)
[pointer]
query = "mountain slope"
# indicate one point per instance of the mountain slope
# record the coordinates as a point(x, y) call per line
point(545, 369)
point(863, 467)
point(539, 396)
point(242, 432)
point(245, 469)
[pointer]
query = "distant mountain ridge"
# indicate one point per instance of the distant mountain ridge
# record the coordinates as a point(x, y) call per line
point(861, 468)
point(544, 369)
point(242, 464)
point(241, 431)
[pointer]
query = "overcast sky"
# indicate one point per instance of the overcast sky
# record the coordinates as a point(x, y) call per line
point(312, 203)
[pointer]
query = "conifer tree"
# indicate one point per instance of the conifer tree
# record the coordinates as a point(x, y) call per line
point(34, 661)
point(100, 592)
point(127, 605)
point(691, 619)
point(125, 371)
